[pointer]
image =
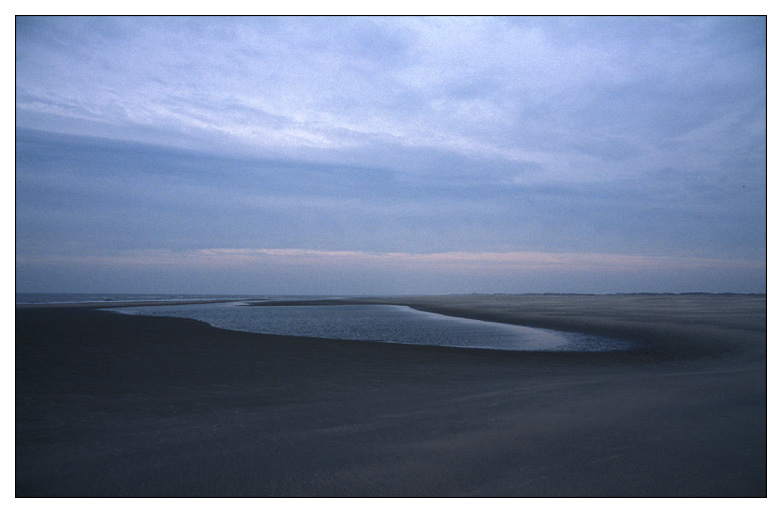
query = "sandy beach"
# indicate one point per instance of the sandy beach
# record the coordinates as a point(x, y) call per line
point(116, 405)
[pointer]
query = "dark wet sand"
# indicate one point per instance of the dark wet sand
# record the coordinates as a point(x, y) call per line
point(113, 405)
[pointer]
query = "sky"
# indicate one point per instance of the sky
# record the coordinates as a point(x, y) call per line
point(400, 155)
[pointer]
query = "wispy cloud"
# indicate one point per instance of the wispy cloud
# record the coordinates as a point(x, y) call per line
point(519, 90)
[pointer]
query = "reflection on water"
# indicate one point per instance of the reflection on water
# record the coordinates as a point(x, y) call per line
point(381, 323)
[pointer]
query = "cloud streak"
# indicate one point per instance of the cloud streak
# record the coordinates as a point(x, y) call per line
point(303, 271)
point(235, 258)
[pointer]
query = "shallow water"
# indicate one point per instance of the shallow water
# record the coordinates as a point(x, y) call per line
point(380, 323)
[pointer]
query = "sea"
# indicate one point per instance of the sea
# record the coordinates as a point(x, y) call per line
point(377, 323)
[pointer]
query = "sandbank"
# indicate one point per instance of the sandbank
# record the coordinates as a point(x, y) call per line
point(115, 405)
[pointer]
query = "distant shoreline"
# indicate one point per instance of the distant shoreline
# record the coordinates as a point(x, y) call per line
point(351, 300)
point(123, 304)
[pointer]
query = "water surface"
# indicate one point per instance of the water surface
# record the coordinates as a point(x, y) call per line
point(380, 323)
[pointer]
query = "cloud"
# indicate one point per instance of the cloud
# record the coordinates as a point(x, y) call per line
point(537, 91)
point(237, 258)
point(394, 136)
point(302, 271)
point(95, 195)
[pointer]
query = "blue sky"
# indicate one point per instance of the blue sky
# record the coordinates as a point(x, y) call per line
point(390, 155)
